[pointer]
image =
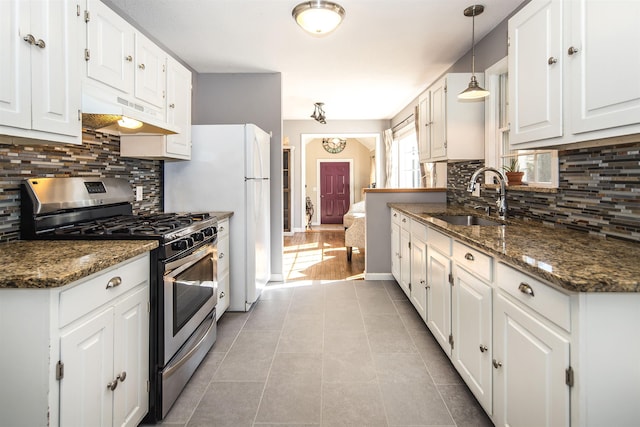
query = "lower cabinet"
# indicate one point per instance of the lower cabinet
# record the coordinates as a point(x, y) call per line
point(418, 284)
point(79, 353)
point(439, 297)
point(223, 267)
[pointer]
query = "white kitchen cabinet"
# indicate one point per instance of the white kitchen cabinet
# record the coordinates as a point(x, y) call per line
point(418, 287)
point(439, 279)
point(40, 86)
point(561, 81)
point(395, 244)
point(405, 255)
point(223, 267)
point(453, 130)
point(471, 326)
point(87, 346)
point(150, 82)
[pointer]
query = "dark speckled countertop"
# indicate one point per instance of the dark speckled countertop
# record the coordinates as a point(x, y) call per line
point(50, 264)
point(569, 259)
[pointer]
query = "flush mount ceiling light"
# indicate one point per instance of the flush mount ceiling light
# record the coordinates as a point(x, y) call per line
point(474, 91)
point(318, 17)
point(318, 113)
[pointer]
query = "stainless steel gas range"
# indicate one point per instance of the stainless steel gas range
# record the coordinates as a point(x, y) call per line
point(183, 270)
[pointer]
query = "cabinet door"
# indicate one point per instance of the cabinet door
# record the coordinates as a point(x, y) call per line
point(405, 261)
point(535, 80)
point(87, 353)
point(531, 359)
point(439, 297)
point(471, 326)
point(424, 133)
point(15, 84)
point(55, 65)
point(150, 73)
point(223, 295)
point(602, 98)
point(179, 108)
point(419, 276)
point(131, 358)
point(439, 119)
point(110, 44)
point(395, 249)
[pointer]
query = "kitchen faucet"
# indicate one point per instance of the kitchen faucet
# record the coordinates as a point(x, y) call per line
point(501, 203)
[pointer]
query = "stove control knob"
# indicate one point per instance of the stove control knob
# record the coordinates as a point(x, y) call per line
point(181, 245)
point(209, 231)
point(198, 237)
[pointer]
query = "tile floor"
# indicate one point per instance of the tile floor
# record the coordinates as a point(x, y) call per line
point(326, 354)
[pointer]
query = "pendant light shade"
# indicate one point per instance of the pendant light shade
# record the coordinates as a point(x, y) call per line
point(318, 17)
point(474, 91)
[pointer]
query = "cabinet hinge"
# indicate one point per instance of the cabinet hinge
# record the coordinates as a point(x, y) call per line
point(445, 144)
point(508, 41)
point(451, 279)
point(409, 245)
point(78, 11)
point(87, 16)
point(451, 340)
point(148, 306)
point(59, 370)
point(568, 376)
point(409, 286)
point(79, 115)
point(87, 54)
point(148, 386)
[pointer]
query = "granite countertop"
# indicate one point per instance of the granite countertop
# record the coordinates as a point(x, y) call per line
point(572, 260)
point(51, 264)
point(222, 215)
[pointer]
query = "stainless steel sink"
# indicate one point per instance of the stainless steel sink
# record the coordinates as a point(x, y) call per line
point(466, 220)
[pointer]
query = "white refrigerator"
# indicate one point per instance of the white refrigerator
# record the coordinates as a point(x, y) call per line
point(229, 171)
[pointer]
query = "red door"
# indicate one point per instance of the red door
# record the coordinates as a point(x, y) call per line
point(334, 191)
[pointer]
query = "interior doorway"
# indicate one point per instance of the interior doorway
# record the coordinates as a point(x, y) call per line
point(335, 194)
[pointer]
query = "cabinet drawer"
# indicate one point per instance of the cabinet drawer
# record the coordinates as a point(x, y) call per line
point(395, 216)
point(474, 261)
point(92, 292)
point(223, 228)
point(418, 230)
point(405, 221)
point(439, 241)
point(533, 293)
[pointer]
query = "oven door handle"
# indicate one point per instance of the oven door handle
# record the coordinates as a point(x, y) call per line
point(169, 371)
point(182, 264)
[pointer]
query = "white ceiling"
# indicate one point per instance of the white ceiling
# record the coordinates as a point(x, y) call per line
point(380, 58)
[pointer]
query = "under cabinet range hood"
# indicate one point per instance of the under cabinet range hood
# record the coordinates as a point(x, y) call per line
point(103, 111)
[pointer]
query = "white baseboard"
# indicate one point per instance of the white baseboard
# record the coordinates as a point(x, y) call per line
point(378, 276)
point(276, 278)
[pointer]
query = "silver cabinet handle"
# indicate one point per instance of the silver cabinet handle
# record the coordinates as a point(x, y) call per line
point(552, 60)
point(572, 50)
point(526, 289)
point(41, 44)
point(496, 364)
point(29, 39)
point(221, 255)
point(395, 214)
point(222, 295)
point(115, 281)
point(172, 105)
point(423, 282)
point(122, 376)
point(128, 58)
point(141, 66)
point(221, 228)
point(469, 256)
point(112, 385)
point(404, 219)
point(483, 348)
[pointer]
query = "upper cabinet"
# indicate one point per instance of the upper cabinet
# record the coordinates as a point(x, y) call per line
point(450, 129)
point(571, 76)
point(40, 84)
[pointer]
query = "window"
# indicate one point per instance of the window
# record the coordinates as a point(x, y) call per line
point(540, 167)
point(405, 172)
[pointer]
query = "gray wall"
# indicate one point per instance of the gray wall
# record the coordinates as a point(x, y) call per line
point(248, 98)
point(294, 129)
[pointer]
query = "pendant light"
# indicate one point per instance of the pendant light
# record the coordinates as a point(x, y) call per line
point(474, 91)
point(318, 113)
point(318, 17)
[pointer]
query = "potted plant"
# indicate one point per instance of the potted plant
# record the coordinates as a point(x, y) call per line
point(512, 170)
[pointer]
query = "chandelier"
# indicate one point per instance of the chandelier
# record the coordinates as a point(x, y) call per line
point(318, 113)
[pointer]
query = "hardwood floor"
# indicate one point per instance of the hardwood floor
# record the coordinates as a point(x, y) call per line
point(320, 254)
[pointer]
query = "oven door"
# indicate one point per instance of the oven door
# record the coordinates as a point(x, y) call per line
point(190, 294)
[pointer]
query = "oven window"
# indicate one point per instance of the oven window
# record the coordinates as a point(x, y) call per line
point(191, 290)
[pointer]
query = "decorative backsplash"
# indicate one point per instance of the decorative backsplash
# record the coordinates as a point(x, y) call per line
point(599, 192)
point(98, 156)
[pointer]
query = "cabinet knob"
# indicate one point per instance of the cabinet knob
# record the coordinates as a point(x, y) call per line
point(469, 256)
point(112, 385)
point(122, 376)
point(172, 105)
point(221, 228)
point(552, 60)
point(404, 219)
point(128, 58)
point(222, 295)
point(221, 255)
point(141, 66)
point(29, 39)
point(572, 50)
point(526, 289)
point(115, 281)
point(483, 348)
point(41, 44)
point(496, 364)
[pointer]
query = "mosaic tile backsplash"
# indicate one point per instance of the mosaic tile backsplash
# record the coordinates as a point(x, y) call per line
point(599, 192)
point(98, 156)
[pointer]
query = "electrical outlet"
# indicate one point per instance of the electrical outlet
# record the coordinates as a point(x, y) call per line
point(476, 191)
point(139, 193)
